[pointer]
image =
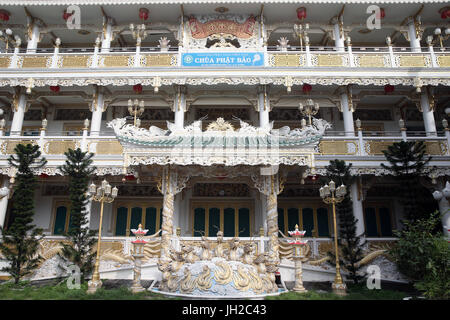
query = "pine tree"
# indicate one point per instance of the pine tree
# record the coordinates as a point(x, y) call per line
point(82, 240)
point(407, 163)
point(349, 241)
point(20, 242)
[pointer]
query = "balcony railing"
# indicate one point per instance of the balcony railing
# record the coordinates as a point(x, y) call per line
point(129, 57)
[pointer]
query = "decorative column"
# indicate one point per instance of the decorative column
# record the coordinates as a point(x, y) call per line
point(4, 194)
point(414, 33)
point(107, 34)
point(55, 53)
point(97, 108)
point(391, 51)
point(427, 108)
point(20, 106)
point(263, 106)
point(138, 253)
point(443, 197)
point(33, 35)
point(338, 34)
point(179, 105)
point(356, 195)
point(347, 109)
point(350, 52)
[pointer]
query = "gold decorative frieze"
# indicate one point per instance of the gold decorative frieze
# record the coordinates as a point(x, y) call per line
point(330, 60)
point(75, 61)
point(377, 147)
point(159, 60)
point(370, 61)
point(338, 147)
point(4, 62)
point(117, 61)
point(443, 61)
point(59, 147)
point(7, 147)
point(287, 60)
point(412, 61)
point(108, 147)
point(325, 247)
point(438, 148)
point(36, 62)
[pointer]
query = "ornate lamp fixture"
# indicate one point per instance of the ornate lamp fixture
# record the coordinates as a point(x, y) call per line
point(389, 88)
point(6, 36)
point(299, 253)
point(309, 110)
point(301, 31)
point(143, 14)
point(136, 108)
point(137, 88)
point(331, 194)
point(103, 193)
point(138, 253)
point(438, 33)
point(138, 32)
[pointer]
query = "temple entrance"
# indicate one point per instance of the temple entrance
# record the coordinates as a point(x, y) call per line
point(234, 218)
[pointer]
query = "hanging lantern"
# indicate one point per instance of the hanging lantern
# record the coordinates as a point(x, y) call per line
point(66, 15)
point(301, 13)
point(4, 15)
point(389, 88)
point(137, 88)
point(43, 175)
point(55, 89)
point(143, 13)
point(382, 13)
point(130, 177)
point(306, 88)
point(447, 13)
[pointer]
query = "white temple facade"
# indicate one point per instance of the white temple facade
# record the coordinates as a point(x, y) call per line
point(192, 109)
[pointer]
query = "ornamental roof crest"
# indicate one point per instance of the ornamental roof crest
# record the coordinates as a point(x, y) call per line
point(220, 125)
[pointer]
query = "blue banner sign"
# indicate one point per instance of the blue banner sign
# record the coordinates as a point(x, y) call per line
point(223, 59)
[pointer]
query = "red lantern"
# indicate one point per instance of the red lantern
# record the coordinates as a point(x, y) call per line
point(137, 88)
point(66, 15)
point(55, 88)
point(389, 88)
point(382, 13)
point(446, 13)
point(130, 177)
point(314, 178)
point(4, 15)
point(306, 88)
point(301, 13)
point(143, 13)
point(43, 175)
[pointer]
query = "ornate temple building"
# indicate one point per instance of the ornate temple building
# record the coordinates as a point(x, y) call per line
point(216, 116)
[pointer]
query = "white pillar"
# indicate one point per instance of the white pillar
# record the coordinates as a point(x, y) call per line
point(357, 208)
point(414, 41)
point(179, 106)
point(55, 54)
point(107, 35)
point(97, 111)
point(34, 40)
point(347, 113)
point(444, 207)
point(308, 52)
point(88, 211)
point(350, 52)
point(19, 113)
point(4, 193)
point(391, 51)
point(428, 116)
point(263, 106)
point(137, 59)
point(434, 63)
point(338, 38)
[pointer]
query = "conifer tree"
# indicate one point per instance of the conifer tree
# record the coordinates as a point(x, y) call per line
point(407, 163)
point(82, 239)
point(20, 242)
point(349, 241)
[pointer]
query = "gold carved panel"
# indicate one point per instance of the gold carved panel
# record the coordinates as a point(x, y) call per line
point(8, 147)
point(371, 61)
point(75, 61)
point(443, 61)
point(158, 60)
point(34, 62)
point(329, 60)
point(287, 60)
point(412, 61)
point(377, 147)
point(115, 61)
point(59, 147)
point(338, 147)
point(325, 247)
point(109, 147)
point(436, 147)
point(4, 62)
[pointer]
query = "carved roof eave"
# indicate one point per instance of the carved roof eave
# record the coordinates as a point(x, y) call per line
point(232, 80)
point(163, 2)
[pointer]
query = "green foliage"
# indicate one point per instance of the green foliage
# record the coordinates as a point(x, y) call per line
point(20, 242)
point(82, 240)
point(424, 256)
point(349, 241)
point(407, 163)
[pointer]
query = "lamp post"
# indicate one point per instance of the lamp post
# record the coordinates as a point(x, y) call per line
point(438, 33)
point(331, 194)
point(310, 109)
point(138, 253)
point(136, 108)
point(299, 254)
point(103, 193)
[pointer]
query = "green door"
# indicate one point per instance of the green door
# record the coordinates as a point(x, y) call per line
point(244, 222)
point(214, 222)
point(308, 221)
point(60, 220)
point(121, 221)
point(150, 220)
point(199, 222)
point(229, 222)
